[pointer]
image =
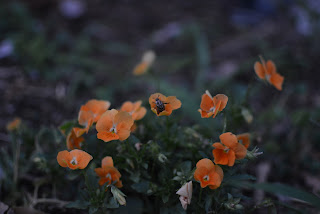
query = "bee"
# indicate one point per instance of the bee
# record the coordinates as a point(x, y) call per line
point(160, 105)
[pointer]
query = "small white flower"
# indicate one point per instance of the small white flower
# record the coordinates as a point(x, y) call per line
point(185, 193)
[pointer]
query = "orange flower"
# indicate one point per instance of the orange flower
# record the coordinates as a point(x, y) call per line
point(244, 139)
point(75, 159)
point(114, 125)
point(212, 105)
point(208, 174)
point(268, 71)
point(146, 62)
point(14, 124)
point(108, 173)
point(162, 105)
point(134, 109)
point(226, 152)
point(73, 141)
point(89, 114)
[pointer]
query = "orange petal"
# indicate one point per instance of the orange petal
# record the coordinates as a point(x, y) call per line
point(231, 157)
point(141, 68)
point(240, 151)
point(229, 139)
point(85, 118)
point(98, 107)
point(206, 103)
point(139, 114)
point(216, 109)
point(107, 136)
point(73, 141)
point(107, 162)
point(123, 134)
point(219, 146)
point(219, 171)
point(63, 158)
point(220, 156)
point(173, 102)
point(79, 131)
point(127, 106)
point(124, 120)
point(105, 123)
point(258, 68)
point(167, 111)
point(153, 97)
point(82, 158)
point(205, 114)
point(136, 105)
point(119, 184)
point(244, 139)
point(276, 80)
point(271, 67)
point(102, 181)
point(100, 172)
point(220, 97)
point(206, 163)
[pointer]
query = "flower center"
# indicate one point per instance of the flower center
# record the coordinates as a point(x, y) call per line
point(108, 176)
point(212, 109)
point(113, 129)
point(206, 178)
point(226, 150)
point(74, 161)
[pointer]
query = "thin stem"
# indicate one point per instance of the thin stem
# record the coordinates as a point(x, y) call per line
point(200, 195)
point(224, 123)
point(16, 163)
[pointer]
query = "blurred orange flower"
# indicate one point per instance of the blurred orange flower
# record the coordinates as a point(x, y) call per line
point(268, 71)
point(226, 152)
point(73, 141)
point(208, 174)
point(210, 106)
point(108, 173)
point(75, 159)
point(162, 105)
point(244, 139)
point(89, 114)
point(134, 109)
point(146, 62)
point(114, 125)
point(14, 124)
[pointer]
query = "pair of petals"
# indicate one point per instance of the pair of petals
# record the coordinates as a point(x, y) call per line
point(89, 114)
point(108, 173)
point(244, 139)
point(170, 103)
point(229, 150)
point(185, 193)
point(146, 62)
point(208, 174)
point(73, 141)
point(134, 109)
point(210, 106)
point(268, 71)
point(75, 159)
point(114, 125)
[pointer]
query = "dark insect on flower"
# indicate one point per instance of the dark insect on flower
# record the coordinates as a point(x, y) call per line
point(160, 105)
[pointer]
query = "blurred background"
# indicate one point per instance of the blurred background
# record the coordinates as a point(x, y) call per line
point(57, 54)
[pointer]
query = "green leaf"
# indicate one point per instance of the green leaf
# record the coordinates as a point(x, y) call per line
point(67, 126)
point(285, 190)
point(78, 204)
